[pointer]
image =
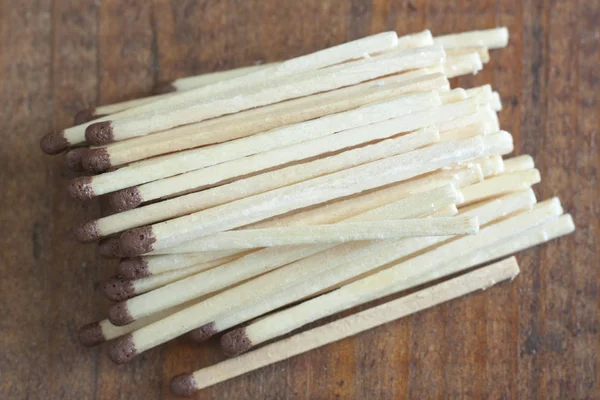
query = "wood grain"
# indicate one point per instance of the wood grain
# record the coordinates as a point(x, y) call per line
point(537, 338)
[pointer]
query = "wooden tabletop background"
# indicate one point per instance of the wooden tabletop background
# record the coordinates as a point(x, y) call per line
point(535, 338)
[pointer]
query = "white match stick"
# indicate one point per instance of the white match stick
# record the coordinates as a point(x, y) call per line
point(221, 172)
point(480, 279)
point(261, 119)
point(268, 259)
point(330, 213)
point(485, 95)
point(334, 55)
point(482, 51)
point(485, 114)
point(173, 164)
point(339, 233)
point(119, 289)
point(263, 94)
point(271, 180)
point(358, 263)
point(490, 166)
point(314, 191)
point(462, 64)
point(491, 38)
point(519, 163)
point(501, 184)
point(424, 268)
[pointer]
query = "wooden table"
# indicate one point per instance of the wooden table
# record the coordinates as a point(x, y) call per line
point(536, 338)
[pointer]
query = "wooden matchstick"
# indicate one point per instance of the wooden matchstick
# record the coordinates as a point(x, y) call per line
point(330, 213)
point(486, 115)
point(314, 191)
point(262, 119)
point(504, 183)
point(119, 288)
point(462, 64)
point(173, 164)
point(263, 94)
point(204, 177)
point(74, 157)
point(145, 266)
point(491, 38)
point(268, 259)
point(339, 233)
point(358, 264)
point(518, 163)
point(58, 141)
point(434, 264)
point(262, 183)
point(480, 279)
point(482, 51)
point(110, 248)
point(92, 113)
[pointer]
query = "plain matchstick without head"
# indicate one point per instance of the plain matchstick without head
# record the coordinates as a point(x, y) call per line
point(262, 119)
point(480, 279)
point(266, 260)
point(58, 141)
point(205, 177)
point(173, 164)
point(272, 180)
point(498, 185)
point(437, 263)
point(367, 261)
point(496, 38)
point(311, 192)
point(519, 163)
point(264, 94)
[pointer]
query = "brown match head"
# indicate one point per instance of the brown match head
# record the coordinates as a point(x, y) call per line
point(81, 188)
point(96, 160)
point(110, 248)
point(119, 314)
point(54, 143)
point(235, 342)
point(73, 159)
point(137, 241)
point(85, 115)
point(87, 233)
point(203, 333)
point(164, 87)
point(99, 133)
point(91, 334)
point(125, 199)
point(122, 350)
point(133, 268)
point(183, 385)
point(117, 288)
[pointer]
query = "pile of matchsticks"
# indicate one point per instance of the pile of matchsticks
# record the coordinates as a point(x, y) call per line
point(277, 195)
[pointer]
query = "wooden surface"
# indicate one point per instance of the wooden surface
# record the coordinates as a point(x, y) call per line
point(537, 338)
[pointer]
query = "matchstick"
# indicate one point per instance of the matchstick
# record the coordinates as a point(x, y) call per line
point(110, 248)
point(93, 113)
point(145, 266)
point(491, 38)
point(58, 141)
point(486, 95)
point(518, 163)
point(262, 183)
point(485, 114)
point(262, 119)
point(314, 191)
point(119, 288)
point(482, 51)
point(173, 164)
point(204, 177)
point(480, 279)
point(268, 259)
point(263, 94)
point(330, 213)
point(73, 159)
point(504, 183)
point(437, 263)
point(490, 166)
point(339, 233)
point(462, 64)
point(357, 264)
